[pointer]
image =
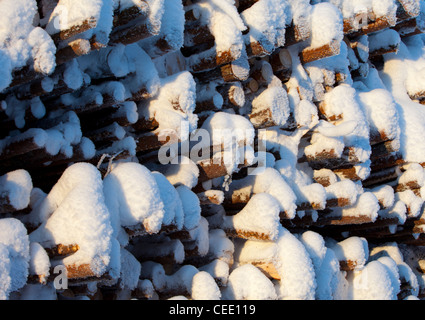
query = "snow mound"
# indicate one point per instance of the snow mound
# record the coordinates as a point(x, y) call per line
point(123, 188)
point(21, 42)
point(249, 283)
point(298, 280)
point(17, 185)
point(74, 213)
point(15, 255)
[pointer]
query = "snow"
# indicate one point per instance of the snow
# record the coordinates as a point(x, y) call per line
point(128, 144)
point(328, 277)
point(323, 144)
point(255, 252)
point(191, 207)
point(328, 129)
point(126, 4)
point(74, 213)
point(325, 174)
point(155, 15)
point(180, 297)
point(17, 185)
point(299, 81)
point(412, 201)
point(354, 249)
point(204, 287)
point(123, 187)
point(326, 265)
point(218, 269)
point(181, 171)
point(226, 129)
point(400, 255)
point(313, 194)
point(266, 21)
point(241, 67)
point(305, 113)
point(173, 207)
point(326, 24)
point(385, 195)
point(70, 14)
point(114, 265)
point(411, 297)
point(374, 282)
point(382, 114)
point(409, 268)
point(414, 173)
point(207, 92)
point(231, 137)
point(398, 210)
point(295, 268)
point(173, 107)
point(220, 246)
point(363, 169)
point(38, 136)
point(172, 28)
point(342, 100)
point(14, 247)
point(39, 262)
point(315, 245)
point(224, 23)
point(73, 75)
point(42, 51)
point(142, 71)
point(154, 272)
point(130, 270)
point(63, 135)
point(399, 77)
point(128, 109)
point(249, 283)
point(185, 277)
point(15, 109)
point(345, 189)
point(322, 72)
point(384, 8)
point(117, 60)
point(299, 12)
point(275, 101)
point(200, 237)
point(380, 8)
point(160, 249)
point(22, 42)
point(67, 14)
point(37, 107)
point(115, 89)
point(270, 181)
point(5, 266)
point(38, 292)
point(6, 72)
point(392, 267)
point(199, 285)
point(259, 216)
point(366, 206)
point(388, 39)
